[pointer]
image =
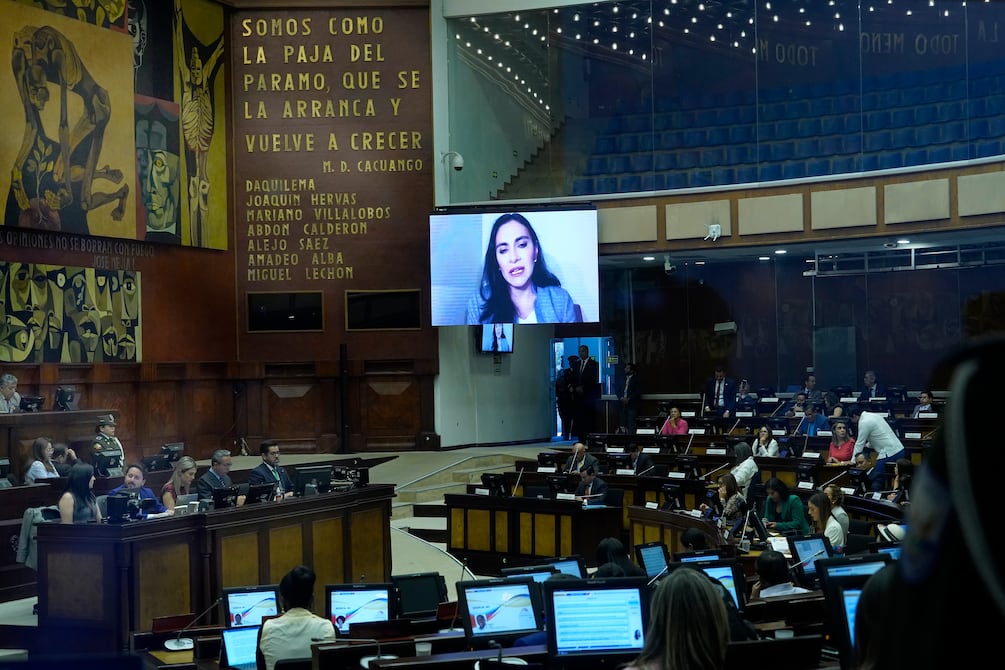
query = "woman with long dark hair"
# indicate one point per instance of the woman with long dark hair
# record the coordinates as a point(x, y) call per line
point(42, 466)
point(77, 504)
point(516, 285)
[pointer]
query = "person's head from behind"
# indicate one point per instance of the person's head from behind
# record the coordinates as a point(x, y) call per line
point(835, 494)
point(741, 452)
point(772, 568)
point(513, 262)
point(819, 507)
point(777, 490)
point(727, 486)
point(903, 469)
point(80, 480)
point(693, 539)
point(297, 587)
point(611, 569)
point(688, 623)
point(610, 550)
point(41, 449)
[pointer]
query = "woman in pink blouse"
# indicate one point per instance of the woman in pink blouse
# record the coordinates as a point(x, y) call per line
point(842, 445)
point(674, 425)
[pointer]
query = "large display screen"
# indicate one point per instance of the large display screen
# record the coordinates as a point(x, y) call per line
point(533, 265)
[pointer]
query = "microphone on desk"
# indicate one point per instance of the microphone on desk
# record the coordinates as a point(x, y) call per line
point(831, 481)
point(457, 607)
point(666, 568)
point(366, 660)
point(518, 477)
point(712, 472)
point(496, 645)
point(734, 427)
point(688, 447)
point(651, 467)
point(180, 643)
point(808, 560)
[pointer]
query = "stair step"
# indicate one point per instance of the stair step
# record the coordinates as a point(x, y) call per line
point(430, 534)
point(429, 510)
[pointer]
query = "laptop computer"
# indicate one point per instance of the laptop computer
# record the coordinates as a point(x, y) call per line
point(238, 647)
point(186, 498)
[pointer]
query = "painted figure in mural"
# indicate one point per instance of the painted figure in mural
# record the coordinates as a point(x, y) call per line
point(137, 26)
point(197, 122)
point(52, 182)
point(158, 166)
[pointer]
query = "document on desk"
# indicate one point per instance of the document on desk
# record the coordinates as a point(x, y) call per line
point(779, 543)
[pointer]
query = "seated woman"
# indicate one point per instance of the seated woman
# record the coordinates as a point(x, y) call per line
point(688, 625)
point(134, 480)
point(730, 500)
point(77, 504)
point(842, 446)
point(824, 520)
point(784, 511)
point(516, 285)
point(42, 467)
point(836, 496)
point(766, 444)
point(902, 471)
point(674, 424)
point(832, 406)
point(180, 483)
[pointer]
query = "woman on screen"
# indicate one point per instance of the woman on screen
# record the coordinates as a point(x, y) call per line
point(500, 342)
point(516, 285)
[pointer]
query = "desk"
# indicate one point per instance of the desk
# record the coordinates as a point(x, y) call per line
point(98, 583)
point(492, 533)
point(655, 525)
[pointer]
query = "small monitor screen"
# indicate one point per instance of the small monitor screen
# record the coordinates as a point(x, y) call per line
point(260, 492)
point(498, 609)
point(247, 605)
point(225, 497)
point(312, 478)
point(806, 549)
point(553, 247)
point(849, 603)
point(602, 621)
point(849, 566)
point(347, 604)
point(496, 338)
point(538, 573)
point(419, 595)
point(238, 647)
point(653, 557)
point(891, 549)
point(700, 556)
point(570, 565)
point(730, 574)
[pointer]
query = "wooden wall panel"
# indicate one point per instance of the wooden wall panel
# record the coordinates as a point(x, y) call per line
point(286, 551)
point(166, 566)
point(238, 560)
point(371, 544)
point(327, 555)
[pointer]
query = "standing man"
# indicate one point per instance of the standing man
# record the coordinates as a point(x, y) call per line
point(720, 394)
point(630, 399)
point(270, 471)
point(10, 399)
point(565, 396)
point(218, 475)
point(876, 434)
point(587, 393)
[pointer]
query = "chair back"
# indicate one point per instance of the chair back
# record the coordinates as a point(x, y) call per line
point(293, 664)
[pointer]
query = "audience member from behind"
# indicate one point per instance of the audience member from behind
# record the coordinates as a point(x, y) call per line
point(134, 480)
point(824, 521)
point(180, 483)
point(693, 539)
point(42, 467)
point(269, 470)
point(64, 458)
point(688, 625)
point(290, 635)
point(842, 447)
point(836, 496)
point(773, 577)
point(784, 511)
point(744, 467)
point(766, 444)
point(611, 550)
point(903, 470)
point(78, 504)
point(674, 424)
point(10, 399)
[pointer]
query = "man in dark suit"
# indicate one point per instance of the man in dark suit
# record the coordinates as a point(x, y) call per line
point(592, 489)
point(269, 470)
point(870, 387)
point(218, 475)
point(586, 385)
point(641, 463)
point(631, 397)
point(565, 396)
point(720, 394)
point(579, 460)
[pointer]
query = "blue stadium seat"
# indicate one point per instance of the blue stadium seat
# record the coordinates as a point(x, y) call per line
point(937, 92)
point(979, 129)
point(877, 120)
point(645, 141)
point(665, 160)
point(929, 135)
point(787, 129)
point(807, 148)
point(924, 114)
point(605, 145)
point(868, 162)
point(701, 178)
point(718, 136)
point(960, 152)
point(641, 162)
point(748, 114)
point(903, 138)
point(878, 141)
point(629, 183)
point(847, 104)
point(843, 165)
point(772, 111)
point(741, 134)
point(619, 164)
point(767, 131)
point(891, 159)
point(902, 118)
point(996, 126)
point(727, 116)
point(916, 157)
point(853, 123)
point(794, 170)
point(683, 119)
point(737, 154)
point(797, 109)
point(582, 187)
point(870, 101)
point(596, 165)
point(711, 157)
point(769, 172)
point(782, 151)
point(606, 185)
point(695, 138)
point(996, 105)
point(764, 152)
point(954, 132)
point(746, 175)
point(654, 181)
point(808, 127)
point(951, 111)
point(641, 123)
point(852, 144)
point(627, 144)
point(818, 167)
point(977, 107)
point(677, 180)
point(911, 97)
point(821, 107)
point(687, 159)
point(989, 148)
point(723, 176)
point(662, 121)
point(832, 125)
point(831, 146)
point(672, 139)
point(889, 98)
point(939, 154)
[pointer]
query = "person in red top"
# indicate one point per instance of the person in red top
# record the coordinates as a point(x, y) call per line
point(674, 425)
point(842, 445)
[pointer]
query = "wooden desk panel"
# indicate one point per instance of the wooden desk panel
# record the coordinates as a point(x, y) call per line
point(19, 430)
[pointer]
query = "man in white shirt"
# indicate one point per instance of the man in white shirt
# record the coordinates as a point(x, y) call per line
point(10, 399)
point(873, 432)
point(291, 635)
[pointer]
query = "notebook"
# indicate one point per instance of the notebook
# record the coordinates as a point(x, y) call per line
point(238, 647)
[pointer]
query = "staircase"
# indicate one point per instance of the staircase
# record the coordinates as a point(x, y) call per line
point(418, 506)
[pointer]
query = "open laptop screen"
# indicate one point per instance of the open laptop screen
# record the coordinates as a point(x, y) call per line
point(238, 647)
point(499, 609)
point(653, 557)
point(347, 604)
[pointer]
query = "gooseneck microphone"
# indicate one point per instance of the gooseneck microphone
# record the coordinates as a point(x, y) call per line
point(831, 480)
point(457, 605)
point(666, 568)
point(712, 472)
point(366, 660)
point(651, 467)
point(808, 560)
point(180, 643)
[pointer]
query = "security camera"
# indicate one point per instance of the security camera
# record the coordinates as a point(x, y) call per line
point(457, 162)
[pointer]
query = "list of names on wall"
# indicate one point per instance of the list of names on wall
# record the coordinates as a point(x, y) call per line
point(331, 120)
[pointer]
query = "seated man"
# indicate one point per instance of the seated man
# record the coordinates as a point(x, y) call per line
point(641, 463)
point(579, 460)
point(773, 580)
point(290, 635)
point(270, 471)
point(135, 478)
point(812, 422)
point(217, 476)
point(592, 489)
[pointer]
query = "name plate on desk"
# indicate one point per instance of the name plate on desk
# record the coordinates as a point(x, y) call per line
point(624, 471)
point(849, 399)
point(744, 415)
point(768, 399)
point(778, 431)
point(645, 431)
point(547, 470)
point(824, 433)
point(652, 505)
point(696, 431)
point(811, 454)
point(715, 452)
point(615, 450)
point(877, 496)
point(779, 544)
point(910, 435)
point(695, 513)
point(928, 415)
point(650, 450)
point(676, 475)
point(688, 413)
point(804, 485)
point(847, 490)
point(879, 398)
point(565, 496)
point(481, 492)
